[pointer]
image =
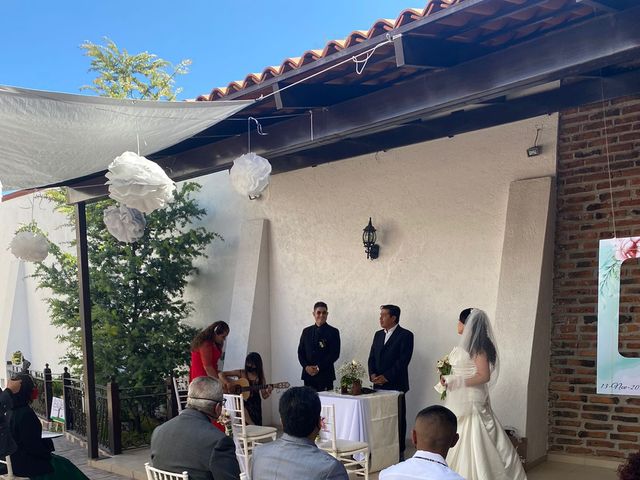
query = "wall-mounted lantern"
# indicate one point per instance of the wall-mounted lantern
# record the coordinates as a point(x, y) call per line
point(369, 241)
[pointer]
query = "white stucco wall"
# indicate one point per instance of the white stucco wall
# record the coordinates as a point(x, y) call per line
point(440, 210)
point(21, 303)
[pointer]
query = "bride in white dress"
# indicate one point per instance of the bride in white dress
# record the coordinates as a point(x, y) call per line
point(484, 452)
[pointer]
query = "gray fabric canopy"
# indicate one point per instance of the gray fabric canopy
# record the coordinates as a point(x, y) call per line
point(49, 138)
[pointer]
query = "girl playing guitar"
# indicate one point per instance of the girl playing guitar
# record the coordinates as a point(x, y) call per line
point(253, 372)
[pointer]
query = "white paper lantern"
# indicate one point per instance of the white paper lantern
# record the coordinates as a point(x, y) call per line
point(124, 223)
point(250, 174)
point(30, 246)
point(139, 183)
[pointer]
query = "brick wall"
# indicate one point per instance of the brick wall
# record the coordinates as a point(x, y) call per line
point(582, 422)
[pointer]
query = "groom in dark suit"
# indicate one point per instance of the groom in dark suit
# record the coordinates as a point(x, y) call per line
point(389, 359)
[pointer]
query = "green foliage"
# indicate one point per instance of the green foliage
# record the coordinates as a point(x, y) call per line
point(136, 291)
point(139, 76)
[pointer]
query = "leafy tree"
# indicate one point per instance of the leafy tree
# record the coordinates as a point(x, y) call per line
point(140, 76)
point(136, 289)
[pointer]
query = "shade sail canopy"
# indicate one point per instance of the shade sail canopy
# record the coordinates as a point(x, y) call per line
point(51, 138)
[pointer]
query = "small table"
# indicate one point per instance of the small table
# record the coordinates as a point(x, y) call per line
point(371, 418)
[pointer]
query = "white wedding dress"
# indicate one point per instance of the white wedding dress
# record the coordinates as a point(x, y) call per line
point(484, 452)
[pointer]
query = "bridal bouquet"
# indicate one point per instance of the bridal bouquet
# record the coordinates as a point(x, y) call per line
point(444, 368)
point(226, 421)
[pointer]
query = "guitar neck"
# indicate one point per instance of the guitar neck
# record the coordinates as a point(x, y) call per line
point(257, 387)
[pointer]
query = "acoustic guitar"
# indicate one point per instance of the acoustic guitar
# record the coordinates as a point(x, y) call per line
point(242, 387)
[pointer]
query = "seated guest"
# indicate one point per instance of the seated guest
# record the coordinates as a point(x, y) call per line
point(33, 457)
point(295, 455)
point(190, 442)
point(6, 397)
point(253, 372)
point(433, 435)
point(631, 469)
point(7, 444)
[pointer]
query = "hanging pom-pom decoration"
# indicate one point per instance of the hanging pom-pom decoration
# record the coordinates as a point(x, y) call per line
point(124, 223)
point(139, 183)
point(30, 246)
point(250, 174)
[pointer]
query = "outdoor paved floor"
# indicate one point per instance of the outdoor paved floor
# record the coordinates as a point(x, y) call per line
point(78, 455)
point(130, 465)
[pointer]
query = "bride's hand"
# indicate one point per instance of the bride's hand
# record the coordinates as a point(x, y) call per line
point(443, 382)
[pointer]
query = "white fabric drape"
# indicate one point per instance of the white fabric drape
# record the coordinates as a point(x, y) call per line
point(48, 138)
point(368, 418)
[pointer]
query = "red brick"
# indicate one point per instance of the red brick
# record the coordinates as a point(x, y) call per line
point(600, 443)
point(581, 421)
point(610, 453)
point(624, 436)
point(579, 450)
point(628, 428)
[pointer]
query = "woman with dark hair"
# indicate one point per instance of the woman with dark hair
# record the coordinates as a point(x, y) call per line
point(484, 450)
point(253, 372)
point(631, 469)
point(206, 350)
point(33, 457)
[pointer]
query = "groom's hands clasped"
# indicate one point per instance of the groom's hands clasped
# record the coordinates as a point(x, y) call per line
point(378, 379)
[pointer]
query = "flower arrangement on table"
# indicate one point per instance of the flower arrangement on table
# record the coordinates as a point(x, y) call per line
point(351, 374)
point(444, 368)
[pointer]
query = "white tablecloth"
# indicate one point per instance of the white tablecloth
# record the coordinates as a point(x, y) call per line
point(371, 418)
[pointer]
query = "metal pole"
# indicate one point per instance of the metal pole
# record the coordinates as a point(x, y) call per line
point(87, 332)
point(113, 410)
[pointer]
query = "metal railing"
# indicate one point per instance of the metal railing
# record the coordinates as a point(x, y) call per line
point(141, 410)
point(125, 417)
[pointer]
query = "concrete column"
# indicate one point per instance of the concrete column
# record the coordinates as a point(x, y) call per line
point(249, 318)
point(523, 312)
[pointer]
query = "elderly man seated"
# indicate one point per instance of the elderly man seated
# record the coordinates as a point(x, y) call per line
point(295, 456)
point(190, 442)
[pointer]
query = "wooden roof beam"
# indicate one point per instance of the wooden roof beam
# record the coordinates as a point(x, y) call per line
point(429, 53)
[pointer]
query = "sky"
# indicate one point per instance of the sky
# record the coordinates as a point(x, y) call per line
point(40, 39)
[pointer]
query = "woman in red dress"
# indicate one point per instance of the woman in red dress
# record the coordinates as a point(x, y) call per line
point(206, 349)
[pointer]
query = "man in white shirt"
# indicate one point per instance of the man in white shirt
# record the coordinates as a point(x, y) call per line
point(433, 435)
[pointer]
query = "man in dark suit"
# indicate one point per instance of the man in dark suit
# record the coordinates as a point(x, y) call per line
point(190, 442)
point(389, 359)
point(318, 350)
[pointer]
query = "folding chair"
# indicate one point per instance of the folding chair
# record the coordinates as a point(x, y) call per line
point(157, 474)
point(181, 389)
point(246, 436)
point(353, 455)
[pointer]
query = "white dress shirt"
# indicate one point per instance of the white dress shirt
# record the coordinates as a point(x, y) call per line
point(388, 333)
point(422, 466)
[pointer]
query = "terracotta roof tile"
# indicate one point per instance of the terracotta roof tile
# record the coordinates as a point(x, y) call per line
point(380, 27)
